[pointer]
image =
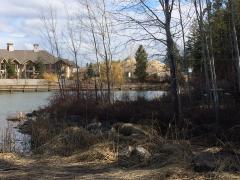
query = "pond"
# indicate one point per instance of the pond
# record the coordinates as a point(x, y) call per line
point(12, 104)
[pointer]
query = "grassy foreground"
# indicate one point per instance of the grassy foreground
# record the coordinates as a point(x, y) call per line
point(79, 139)
point(35, 167)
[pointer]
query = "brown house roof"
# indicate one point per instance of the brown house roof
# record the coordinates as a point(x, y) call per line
point(23, 56)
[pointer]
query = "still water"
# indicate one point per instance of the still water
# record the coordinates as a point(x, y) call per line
point(12, 104)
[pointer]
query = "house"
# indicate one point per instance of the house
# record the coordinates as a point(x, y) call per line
point(154, 68)
point(129, 66)
point(25, 61)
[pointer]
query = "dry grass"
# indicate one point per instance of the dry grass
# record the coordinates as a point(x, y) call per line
point(50, 77)
point(138, 123)
point(70, 140)
point(97, 152)
point(15, 167)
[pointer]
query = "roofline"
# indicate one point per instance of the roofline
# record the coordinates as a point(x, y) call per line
point(25, 62)
point(14, 59)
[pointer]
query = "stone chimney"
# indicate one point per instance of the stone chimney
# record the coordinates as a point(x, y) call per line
point(36, 47)
point(10, 47)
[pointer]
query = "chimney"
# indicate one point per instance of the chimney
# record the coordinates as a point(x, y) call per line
point(36, 47)
point(10, 47)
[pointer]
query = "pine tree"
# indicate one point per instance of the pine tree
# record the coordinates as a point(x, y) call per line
point(90, 71)
point(10, 69)
point(141, 66)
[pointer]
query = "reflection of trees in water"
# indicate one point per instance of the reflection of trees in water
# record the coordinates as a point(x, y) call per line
point(135, 95)
point(13, 141)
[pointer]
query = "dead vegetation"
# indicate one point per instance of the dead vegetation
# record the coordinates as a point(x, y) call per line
point(70, 140)
point(129, 140)
point(169, 160)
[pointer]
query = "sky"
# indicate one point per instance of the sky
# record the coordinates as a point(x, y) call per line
point(19, 21)
point(20, 24)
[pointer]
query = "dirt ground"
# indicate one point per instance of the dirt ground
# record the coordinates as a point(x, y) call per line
point(13, 166)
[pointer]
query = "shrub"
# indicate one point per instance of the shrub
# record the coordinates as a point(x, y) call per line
point(10, 69)
point(40, 68)
point(50, 77)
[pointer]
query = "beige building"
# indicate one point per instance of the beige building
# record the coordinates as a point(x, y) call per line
point(154, 67)
point(24, 62)
point(157, 68)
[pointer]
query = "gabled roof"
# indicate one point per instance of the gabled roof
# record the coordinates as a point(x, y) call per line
point(66, 61)
point(23, 56)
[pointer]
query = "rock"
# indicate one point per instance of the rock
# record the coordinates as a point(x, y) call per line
point(172, 153)
point(140, 152)
point(228, 160)
point(220, 159)
point(134, 156)
point(133, 134)
point(75, 118)
point(25, 127)
point(95, 128)
point(29, 115)
point(128, 129)
point(204, 162)
point(233, 133)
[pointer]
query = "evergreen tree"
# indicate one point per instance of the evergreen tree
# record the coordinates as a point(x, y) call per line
point(10, 69)
point(141, 66)
point(90, 71)
point(40, 68)
point(222, 48)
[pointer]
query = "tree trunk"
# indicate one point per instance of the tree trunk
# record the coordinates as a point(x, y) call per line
point(235, 41)
point(184, 52)
point(172, 62)
point(204, 57)
point(212, 62)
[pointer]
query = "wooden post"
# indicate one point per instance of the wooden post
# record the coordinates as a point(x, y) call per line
point(25, 71)
point(5, 71)
point(49, 86)
point(0, 70)
point(33, 71)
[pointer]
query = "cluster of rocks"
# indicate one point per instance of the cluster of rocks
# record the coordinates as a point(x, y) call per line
point(139, 145)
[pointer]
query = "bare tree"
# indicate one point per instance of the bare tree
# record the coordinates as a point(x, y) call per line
point(184, 49)
point(233, 5)
point(91, 18)
point(157, 23)
point(74, 35)
point(49, 21)
point(212, 61)
point(207, 52)
point(100, 29)
point(199, 15)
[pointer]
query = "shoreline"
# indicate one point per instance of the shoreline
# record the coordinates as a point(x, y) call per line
point(128, 140)
point(41, 85)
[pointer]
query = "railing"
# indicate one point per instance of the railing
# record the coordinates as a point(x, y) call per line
point(26, 85)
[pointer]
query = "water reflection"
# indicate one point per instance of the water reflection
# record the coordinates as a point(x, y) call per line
point(134, 95)
point(12, 104)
